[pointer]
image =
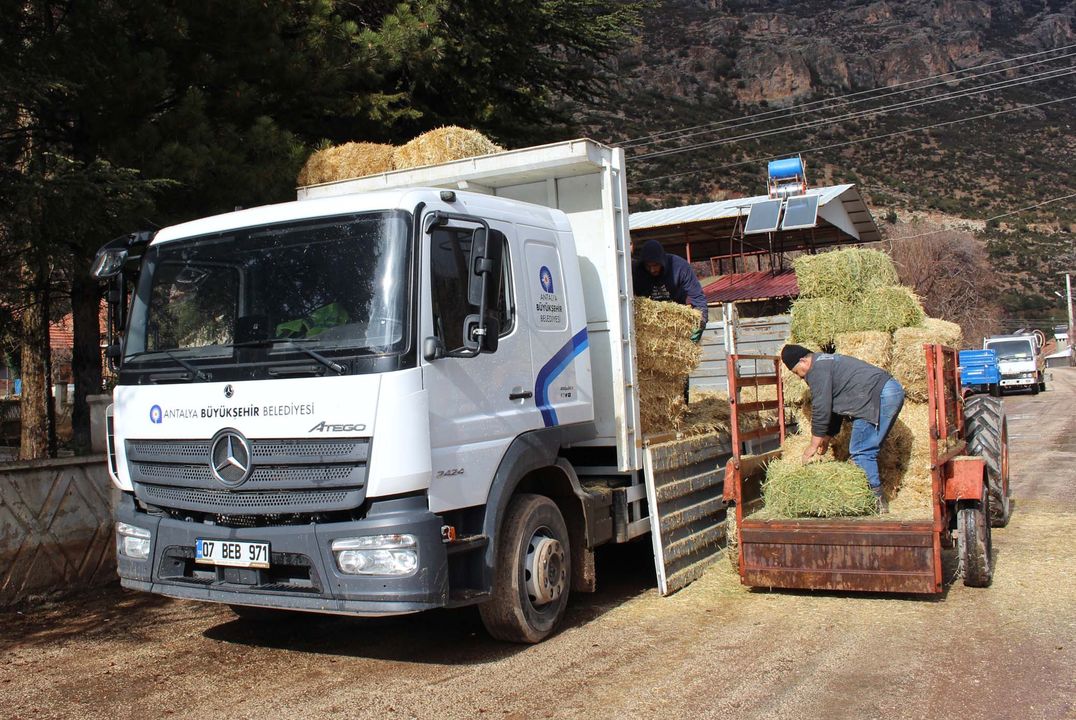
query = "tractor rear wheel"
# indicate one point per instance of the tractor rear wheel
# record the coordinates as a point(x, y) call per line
point(974, 542)
point(987, 432)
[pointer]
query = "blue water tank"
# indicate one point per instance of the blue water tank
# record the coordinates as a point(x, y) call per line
point(786, 168)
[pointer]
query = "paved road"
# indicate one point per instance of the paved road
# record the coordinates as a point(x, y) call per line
point(712, 650)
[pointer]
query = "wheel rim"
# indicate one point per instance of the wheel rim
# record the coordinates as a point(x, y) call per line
point(544, 568)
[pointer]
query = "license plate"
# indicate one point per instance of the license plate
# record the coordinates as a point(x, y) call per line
point(232, 553)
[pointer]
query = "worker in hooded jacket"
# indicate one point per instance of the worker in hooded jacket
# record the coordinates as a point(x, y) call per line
point(660, 276)
point(843, 386)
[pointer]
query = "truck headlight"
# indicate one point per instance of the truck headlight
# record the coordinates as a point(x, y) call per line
point(377, 555)
point(132, 541)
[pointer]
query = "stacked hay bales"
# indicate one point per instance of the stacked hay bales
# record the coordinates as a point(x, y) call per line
point(880, 323)
point(665, 356)
point(359, 159)
point(861, 296)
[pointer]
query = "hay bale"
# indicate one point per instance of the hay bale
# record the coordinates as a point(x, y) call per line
point(887, 309)
point(343, 162)
point(818, 321)
point(819, 489)
point(443, 145)
point(661, 402)
point(872, 346)
point(843, 274)
point(663, 338)
point(909, 364)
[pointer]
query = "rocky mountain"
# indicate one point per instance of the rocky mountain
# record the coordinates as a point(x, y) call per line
point(847, 82)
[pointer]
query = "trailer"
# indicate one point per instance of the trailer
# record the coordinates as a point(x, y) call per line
point(980, 372)
point(969, 474)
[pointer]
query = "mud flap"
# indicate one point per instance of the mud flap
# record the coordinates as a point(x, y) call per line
point(684, 483)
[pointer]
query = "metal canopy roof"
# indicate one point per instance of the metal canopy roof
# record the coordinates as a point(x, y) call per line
point(764, 285)
point(715, 229)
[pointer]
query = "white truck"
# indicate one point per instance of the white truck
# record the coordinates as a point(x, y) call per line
point(402, 392)
point(1020, 361)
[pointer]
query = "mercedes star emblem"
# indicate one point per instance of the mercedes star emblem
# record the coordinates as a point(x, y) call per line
point(229, 455)
point(228, 391)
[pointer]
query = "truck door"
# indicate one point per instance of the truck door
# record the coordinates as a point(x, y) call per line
point(478, 405)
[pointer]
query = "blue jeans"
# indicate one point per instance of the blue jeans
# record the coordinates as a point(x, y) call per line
point(867, 438)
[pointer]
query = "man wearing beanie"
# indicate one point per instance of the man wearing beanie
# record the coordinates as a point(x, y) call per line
point(843, 386)
point(660, 276)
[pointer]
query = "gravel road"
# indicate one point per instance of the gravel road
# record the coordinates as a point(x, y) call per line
point(712, 650)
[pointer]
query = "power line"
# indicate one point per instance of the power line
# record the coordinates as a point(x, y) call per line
point(996, 217)
point(903, 105)
point(845, 99)
point(845, 143)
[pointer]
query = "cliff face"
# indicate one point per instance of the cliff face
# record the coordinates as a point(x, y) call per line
point(701, 62)
point(782, 52)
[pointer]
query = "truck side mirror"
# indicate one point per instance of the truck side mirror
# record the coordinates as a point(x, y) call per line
point(485, 277)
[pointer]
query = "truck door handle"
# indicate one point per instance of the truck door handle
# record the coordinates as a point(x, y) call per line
point(520, 395)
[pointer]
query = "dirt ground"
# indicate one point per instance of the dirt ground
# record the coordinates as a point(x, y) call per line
point(712, 650)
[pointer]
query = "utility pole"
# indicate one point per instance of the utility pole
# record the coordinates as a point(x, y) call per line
point(1068, 295)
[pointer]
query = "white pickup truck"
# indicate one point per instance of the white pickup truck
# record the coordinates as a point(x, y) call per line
point(407, 391)
point(1020, 361)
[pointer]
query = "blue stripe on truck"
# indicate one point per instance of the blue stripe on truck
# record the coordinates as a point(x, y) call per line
point(552, 369)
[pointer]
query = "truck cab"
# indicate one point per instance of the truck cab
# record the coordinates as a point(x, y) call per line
point(1019, 361)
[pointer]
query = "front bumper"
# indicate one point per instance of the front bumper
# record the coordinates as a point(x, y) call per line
point(1018, 382)
point(302, 574)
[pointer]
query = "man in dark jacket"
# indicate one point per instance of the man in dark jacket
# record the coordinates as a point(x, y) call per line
point(843, 386)
point(660, 276)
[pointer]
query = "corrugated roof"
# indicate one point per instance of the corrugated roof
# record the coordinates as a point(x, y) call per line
point(719, 209)
point(763, 285)
point(860, 225)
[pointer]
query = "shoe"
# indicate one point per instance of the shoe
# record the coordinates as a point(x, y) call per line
point(883, 504)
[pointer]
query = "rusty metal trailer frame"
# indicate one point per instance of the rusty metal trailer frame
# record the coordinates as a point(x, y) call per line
point(860, 554)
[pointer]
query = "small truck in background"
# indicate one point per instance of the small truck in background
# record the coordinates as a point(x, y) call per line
point(1020, 361)
point(408, 391)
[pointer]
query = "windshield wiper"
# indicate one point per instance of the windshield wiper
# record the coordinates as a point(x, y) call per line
point(269, 342)
point(198, 374)
point(331, 364)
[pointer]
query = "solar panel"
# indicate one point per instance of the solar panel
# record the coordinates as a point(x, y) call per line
point(800, 212)
point(763, 217)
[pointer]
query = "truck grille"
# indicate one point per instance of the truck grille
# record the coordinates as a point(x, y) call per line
point(288, 476)
point(252, 502)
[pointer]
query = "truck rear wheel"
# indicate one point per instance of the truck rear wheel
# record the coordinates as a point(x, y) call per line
point(987, 431)
point(974, 542)
point(532, 576)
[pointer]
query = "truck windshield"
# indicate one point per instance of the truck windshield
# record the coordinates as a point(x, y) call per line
point(1012, 349)
point(335, 285)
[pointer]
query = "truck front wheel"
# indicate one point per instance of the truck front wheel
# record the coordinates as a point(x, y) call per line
point(532, 576)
